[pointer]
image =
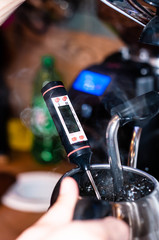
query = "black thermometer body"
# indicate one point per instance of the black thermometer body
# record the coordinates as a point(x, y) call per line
point(68, 126)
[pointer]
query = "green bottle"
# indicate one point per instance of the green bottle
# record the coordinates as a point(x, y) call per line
point(47, 147)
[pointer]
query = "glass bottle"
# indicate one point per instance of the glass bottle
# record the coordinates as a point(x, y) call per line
point(47, 147)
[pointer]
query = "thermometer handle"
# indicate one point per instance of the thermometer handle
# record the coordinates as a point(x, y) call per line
point(67, 123)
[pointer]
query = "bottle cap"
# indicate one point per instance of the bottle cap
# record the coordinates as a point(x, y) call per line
point(48, 61)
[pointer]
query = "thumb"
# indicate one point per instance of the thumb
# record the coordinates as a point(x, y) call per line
point(62, 211)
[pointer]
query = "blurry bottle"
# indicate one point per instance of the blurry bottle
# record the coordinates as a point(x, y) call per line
point(47, 147)
point(20, 137)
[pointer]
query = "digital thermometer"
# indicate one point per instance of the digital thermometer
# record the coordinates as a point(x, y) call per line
point(69, 128)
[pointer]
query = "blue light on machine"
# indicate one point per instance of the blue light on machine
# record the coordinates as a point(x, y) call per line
point(91, 82)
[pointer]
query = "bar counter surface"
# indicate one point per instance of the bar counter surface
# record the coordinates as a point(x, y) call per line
point(13, 222)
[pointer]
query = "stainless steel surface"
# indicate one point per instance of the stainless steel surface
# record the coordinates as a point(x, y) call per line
point(113, 153)
point(142, 215)
point(144, 12)
point(93, 184)
point(138, 11)
point(134, 146)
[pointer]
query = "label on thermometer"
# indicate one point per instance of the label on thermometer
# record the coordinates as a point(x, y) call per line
point(69, 119)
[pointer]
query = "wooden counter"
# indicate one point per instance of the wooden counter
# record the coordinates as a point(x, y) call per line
point(13, 222)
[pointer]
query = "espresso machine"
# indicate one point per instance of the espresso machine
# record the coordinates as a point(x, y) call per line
point(128, 73)
point(145, 14)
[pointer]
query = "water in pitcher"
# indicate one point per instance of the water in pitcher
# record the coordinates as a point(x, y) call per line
point(135, 186)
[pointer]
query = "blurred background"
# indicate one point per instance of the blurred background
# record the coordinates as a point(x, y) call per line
point(75, 33)
point(58, 39)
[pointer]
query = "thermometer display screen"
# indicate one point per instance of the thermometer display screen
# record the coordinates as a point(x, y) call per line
point(69, 119)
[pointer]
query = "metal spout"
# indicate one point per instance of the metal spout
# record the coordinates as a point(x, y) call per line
point(114, 155)
point(134, 146)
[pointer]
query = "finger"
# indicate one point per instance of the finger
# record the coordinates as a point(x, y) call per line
point(62, 211)
point(35, 232)
point(109, 228)
point(59, 214)
point(115, 229)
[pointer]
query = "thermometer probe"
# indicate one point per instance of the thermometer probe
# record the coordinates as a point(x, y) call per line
point(69, 128)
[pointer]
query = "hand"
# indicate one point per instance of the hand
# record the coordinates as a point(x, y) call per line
point(57, 223)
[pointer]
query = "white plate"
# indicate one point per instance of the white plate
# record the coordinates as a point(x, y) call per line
point(31, 192)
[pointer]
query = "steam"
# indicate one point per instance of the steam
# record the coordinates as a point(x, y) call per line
point(20, 84)
point(25, 116)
